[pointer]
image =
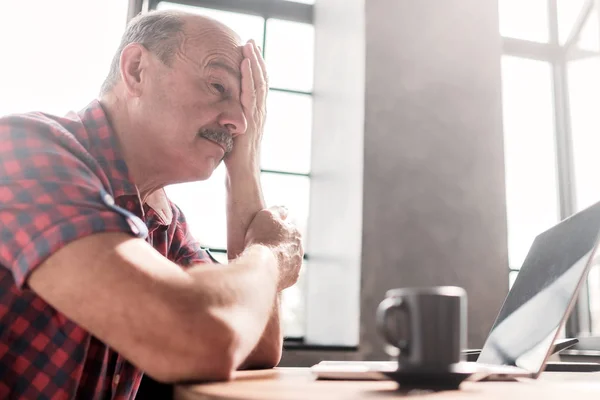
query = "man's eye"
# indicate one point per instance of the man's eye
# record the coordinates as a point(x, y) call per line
point(220, 88)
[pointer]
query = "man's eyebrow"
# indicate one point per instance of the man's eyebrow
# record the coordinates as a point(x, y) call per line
point(226, 67)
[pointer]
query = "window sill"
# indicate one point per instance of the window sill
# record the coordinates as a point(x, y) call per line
point(299, 344)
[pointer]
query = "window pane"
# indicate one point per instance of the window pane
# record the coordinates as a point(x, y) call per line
point(512, 277)
point(590, 36)
point(55, 55)
point(530, 156)
point(203, 204)
point(568, 11)
point(247, 26)
point(293, 307)
point(289, 54)
point(584, 91)
point(594, 293)
point(526, 20)
point(286, 144)
point(289, 191)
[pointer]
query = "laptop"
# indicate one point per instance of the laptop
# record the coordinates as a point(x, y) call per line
point(534, 311)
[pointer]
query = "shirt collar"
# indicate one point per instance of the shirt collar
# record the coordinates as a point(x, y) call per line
point(159, 202)
point(105, 148)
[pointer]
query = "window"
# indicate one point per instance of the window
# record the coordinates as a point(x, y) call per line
point(62, 54)
point(551, 90)
point(524, 20)
point(528, 134)
point(288, 48)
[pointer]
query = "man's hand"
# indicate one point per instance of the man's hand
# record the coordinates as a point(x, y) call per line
point(246, 147)
point(270, 228)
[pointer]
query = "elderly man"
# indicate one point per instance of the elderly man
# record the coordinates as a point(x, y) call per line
point(100, 278)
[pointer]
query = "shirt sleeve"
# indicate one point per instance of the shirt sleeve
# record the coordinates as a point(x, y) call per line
point(49, 196)
point(185, 249)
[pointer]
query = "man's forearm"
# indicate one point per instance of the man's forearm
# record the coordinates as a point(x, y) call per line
point(244, 200)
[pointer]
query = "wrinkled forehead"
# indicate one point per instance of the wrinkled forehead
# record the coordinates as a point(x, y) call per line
point(211, 44)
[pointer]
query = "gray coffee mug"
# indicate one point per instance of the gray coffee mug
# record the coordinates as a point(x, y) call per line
point(434, 321)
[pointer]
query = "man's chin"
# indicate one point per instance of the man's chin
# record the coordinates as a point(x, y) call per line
point(210, 169)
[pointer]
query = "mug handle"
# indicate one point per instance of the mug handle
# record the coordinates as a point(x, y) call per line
point(381, 317)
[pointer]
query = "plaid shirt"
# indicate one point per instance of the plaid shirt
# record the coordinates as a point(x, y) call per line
point(62, 179)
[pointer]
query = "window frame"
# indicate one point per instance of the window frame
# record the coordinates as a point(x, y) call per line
point(288, 10)
point(558, 55)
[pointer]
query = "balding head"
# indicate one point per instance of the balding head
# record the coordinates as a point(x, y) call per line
point(163, 33)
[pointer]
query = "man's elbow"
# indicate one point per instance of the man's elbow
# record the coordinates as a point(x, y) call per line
point(211, 358)
point(211, 369)
point(269, 360)
point(264, 357)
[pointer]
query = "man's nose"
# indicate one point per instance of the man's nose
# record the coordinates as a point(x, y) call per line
point(234, 121)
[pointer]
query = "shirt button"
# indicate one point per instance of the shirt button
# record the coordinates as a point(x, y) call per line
point(133, 227)
point(116, 380)
point(108, 199)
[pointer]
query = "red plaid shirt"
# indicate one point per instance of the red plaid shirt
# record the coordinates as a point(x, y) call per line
point(62, 179)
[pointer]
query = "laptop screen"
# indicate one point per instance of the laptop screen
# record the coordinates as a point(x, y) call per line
point(543, 293)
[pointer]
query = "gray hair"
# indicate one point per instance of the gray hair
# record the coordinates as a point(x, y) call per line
point(157, 31)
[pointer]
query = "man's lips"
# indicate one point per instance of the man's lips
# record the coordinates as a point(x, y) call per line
point(221, 145)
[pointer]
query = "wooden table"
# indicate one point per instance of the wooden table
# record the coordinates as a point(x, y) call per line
point(299, 384)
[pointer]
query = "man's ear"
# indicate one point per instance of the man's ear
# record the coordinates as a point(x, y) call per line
point(134, 60)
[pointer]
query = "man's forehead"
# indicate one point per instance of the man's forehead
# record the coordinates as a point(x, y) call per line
point(213, 45)
point(217, 56)
point(225, 65)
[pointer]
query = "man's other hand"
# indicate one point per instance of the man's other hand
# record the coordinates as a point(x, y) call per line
point(270, 228)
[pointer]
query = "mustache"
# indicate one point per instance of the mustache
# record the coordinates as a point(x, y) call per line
point(222, 137)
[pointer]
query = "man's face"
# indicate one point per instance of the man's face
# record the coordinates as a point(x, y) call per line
point(192, 108)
